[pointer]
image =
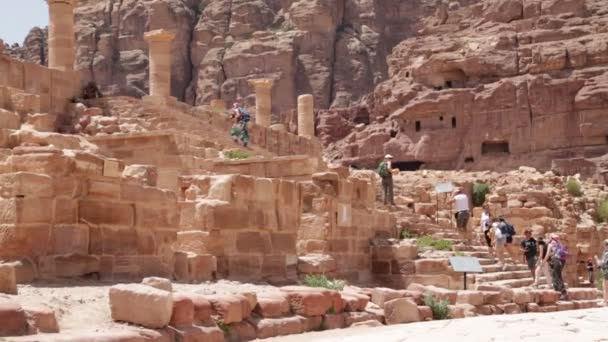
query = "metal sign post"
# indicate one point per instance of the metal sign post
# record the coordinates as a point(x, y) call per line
point(465, 265)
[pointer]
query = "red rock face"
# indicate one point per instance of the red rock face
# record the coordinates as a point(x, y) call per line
point(494, 84)
point(334, 49)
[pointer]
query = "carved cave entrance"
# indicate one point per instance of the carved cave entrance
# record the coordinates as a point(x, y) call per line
point(408, 165)
point(492, 147)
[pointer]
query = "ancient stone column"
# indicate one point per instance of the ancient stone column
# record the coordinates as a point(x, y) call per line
point(263, 101)
point(159, 42)
point(61, 34)
point(306, 116)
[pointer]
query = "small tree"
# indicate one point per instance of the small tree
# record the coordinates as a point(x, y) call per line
point(574, 187)
point(602, 211)
point(440, 308)
point(480, 190)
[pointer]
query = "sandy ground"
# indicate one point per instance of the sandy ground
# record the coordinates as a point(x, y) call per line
point(566, 326)
point(83, 305)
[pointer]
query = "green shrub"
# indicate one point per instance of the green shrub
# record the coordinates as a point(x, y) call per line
point(574, 187)
point(480, 190)
point(320, 280)
point(438, 244)
point(405, 234)
point(459, 254)
point(439, 308)
point(236, 154)
point(602, 211)
point(223, 326)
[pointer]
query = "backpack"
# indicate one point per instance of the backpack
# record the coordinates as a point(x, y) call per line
point(244, 115)
point(560, 251)
point(383, 170)
point(507, 229)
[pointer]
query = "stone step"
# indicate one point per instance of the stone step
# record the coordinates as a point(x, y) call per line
point(470, 248)
point(490, 268)
point(512, 283)
point(502, 275)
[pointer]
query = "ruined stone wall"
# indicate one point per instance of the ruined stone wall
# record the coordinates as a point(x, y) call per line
point(54, 87)
point(69, 214)
point(339, 219)
point(252, 223)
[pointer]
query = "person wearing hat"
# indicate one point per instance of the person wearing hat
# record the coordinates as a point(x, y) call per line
point(556, 257)
point(529, 248)
point(385, 171)
point(603, 265)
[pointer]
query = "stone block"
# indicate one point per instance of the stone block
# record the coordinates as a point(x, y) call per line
point(401, 310)
point(183, 311)
point(492, 297)
point(381, 295)
point(202, 267)
point(71, 238)
point(141, 174)
point(75, 265)
point(547, 297)
point(9, 119)
point(21, 184)
point(13, 318)
point(241, 331)
point(354, 301)
point(470, 297)
point(509, 308)
point(271, 327)
point(253, 242)
point(202, 308)
point(432, 266)
point(113, 168)
point(141, 304)
point(308, 301)
point(197, 334)
point(316, 264)
point(8, 279)
point(26, 210)
point(272, 305)
point(522, 296)
point(41, 319)
point(425, 312)
point(158, 283)
point(333, 321)
point(351, 318)
point(100, 213)
point(245, 266)
point(443, 294)
point(228, 307)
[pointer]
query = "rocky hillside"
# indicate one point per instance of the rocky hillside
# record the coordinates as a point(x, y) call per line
point(496, 84)
point(334, 49)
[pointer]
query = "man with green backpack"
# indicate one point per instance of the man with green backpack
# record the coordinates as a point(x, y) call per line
point(385, 172)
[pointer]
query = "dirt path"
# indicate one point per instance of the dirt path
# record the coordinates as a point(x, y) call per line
point(566, 326)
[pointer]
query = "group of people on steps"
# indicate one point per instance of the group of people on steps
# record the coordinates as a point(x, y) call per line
point(543, 258)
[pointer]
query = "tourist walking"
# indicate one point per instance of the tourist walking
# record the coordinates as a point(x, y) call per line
point(499, 245)
point(240, 131)
point(385, 171)
point(508, 231)
point(529, 248)
point(590, 271)
point(486, 224)
point(461, 205)
point(603, 265)
point(556, 257)
point(542, 267)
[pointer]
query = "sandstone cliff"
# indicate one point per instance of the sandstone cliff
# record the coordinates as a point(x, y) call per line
point(334, 49)
point(496, 84)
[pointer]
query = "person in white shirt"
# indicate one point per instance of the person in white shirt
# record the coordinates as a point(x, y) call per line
point(486, 223)
point(500, 241)
point(461, 204)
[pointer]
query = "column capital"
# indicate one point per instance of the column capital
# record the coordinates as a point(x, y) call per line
point(66, 2)
point(159, 36)
point(262, 83)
